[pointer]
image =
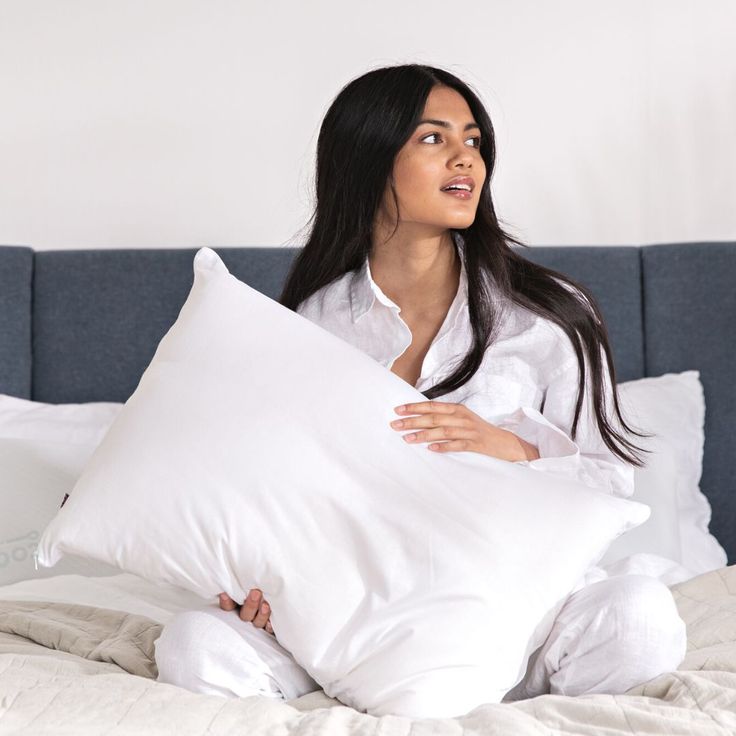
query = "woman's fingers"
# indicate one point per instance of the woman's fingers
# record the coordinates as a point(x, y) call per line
point(227, 603)
point(450, 422)
point(254, 609)
point(262, 616)
point(251, 605)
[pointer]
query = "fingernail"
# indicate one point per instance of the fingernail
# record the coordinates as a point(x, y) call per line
point(253, 595)
point(265, 606)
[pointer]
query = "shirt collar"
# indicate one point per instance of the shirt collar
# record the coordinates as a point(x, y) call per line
point(364, 291)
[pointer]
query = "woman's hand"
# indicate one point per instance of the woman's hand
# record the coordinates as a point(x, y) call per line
point(255, 610)
point(461, 430)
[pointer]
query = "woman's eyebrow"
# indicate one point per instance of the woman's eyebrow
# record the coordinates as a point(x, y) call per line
point(445, 124)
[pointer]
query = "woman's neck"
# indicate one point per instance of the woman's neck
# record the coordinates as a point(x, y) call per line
point(420, 275)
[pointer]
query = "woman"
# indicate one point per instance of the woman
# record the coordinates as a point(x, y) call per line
point(407, 261)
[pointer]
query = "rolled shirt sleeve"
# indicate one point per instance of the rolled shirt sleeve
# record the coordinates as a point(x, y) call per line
point(586, 459)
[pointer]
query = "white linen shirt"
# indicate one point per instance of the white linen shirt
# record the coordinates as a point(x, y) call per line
point(526, 384)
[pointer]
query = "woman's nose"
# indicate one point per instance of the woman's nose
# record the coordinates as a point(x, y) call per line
point(462, 155)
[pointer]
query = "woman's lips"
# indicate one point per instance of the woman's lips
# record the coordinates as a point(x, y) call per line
point(459, 193)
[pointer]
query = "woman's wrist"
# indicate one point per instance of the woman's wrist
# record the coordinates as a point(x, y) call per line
point(517, 449)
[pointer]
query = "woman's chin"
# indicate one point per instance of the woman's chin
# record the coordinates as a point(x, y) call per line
point(460, 222)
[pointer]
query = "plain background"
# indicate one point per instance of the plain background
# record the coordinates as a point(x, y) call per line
point(174, 123)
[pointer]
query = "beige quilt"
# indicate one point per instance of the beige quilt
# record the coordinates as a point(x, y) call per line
point(75, 669)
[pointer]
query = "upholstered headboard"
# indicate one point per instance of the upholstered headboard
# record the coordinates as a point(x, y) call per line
point(82, 325)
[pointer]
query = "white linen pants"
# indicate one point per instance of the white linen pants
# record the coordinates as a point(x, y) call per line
point(607, 638)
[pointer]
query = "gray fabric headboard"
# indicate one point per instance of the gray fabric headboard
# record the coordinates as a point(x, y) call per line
point(82, 325)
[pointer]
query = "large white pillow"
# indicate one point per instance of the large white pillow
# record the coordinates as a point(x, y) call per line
point(43, 449)
point(672, 407)
point(257, 452)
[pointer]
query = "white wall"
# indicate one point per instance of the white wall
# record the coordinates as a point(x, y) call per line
point(175, 123)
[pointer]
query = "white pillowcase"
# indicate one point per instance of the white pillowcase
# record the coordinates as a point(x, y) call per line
point(672, 407)
point(43, 449)
point(73, 424)
point(257, 452)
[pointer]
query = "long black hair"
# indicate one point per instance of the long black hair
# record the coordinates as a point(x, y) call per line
point(366, 125)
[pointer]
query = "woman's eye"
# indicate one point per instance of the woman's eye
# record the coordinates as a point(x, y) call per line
point(437, 135)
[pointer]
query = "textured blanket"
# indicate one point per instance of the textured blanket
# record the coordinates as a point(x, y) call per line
point(83, 670)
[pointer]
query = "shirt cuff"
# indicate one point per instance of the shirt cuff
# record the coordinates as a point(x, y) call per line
point(537, 430)
point(559, 455)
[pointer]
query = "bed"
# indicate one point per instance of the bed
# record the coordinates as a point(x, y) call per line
point(78, 327)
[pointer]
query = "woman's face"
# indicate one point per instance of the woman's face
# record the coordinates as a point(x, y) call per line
point(436, 153)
